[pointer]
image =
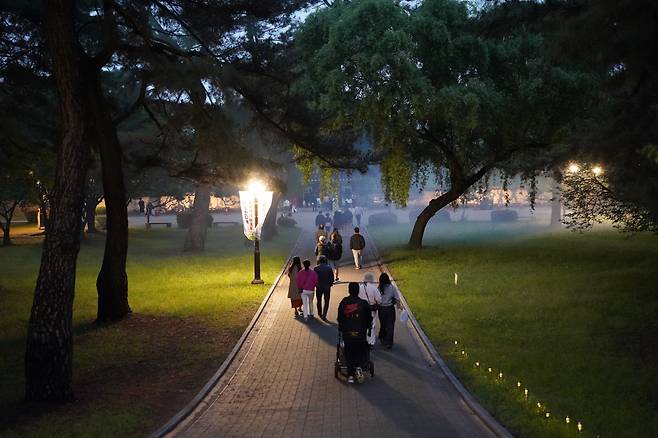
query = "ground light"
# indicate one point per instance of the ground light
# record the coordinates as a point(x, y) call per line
point(597, 170)
point(540, 408)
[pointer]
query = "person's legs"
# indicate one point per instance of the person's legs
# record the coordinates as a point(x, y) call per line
point(305, 303)
point(390, 327)
point(373, 327)
point(325, 309)
point(310, 303)
point(358, 220)
point(318, 297)
point(387, 321)
point(357, 258)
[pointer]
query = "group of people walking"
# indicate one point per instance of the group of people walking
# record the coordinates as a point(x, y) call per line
point(368, 301)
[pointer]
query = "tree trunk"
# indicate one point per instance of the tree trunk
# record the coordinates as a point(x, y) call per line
point(196, 234)
point(112, 281)
point(6, 237)
point(556, 201)
point(416, 239)
point(269, 223)
point(49, 349)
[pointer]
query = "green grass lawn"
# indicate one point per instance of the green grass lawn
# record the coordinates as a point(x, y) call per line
point(574, 317)
point(129, 377)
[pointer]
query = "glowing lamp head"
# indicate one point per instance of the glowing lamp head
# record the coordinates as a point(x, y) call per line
point(567, 420)
point(500, 375)
point(580, 426)
point(256, 187)
point(548, 414)
point(597, 170)
point(518, 384)
point(573, 168)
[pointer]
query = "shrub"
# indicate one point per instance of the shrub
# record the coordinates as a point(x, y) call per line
point(382, 219)
point(440, 216)
point(184, 219)
point(285, 221)
point(504, 216)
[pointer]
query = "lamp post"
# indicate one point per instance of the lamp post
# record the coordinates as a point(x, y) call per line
point(257, 279)
point(253, 202)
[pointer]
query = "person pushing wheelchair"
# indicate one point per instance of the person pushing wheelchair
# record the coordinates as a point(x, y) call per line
point(354, 320)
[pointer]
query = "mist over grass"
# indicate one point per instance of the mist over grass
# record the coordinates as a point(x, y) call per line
point(572, 316)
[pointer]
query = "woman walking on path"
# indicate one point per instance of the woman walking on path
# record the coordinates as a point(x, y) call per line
point(294, 292)
point(307, 280)
point(335, 251)
point(390, 299)
point(368, 291)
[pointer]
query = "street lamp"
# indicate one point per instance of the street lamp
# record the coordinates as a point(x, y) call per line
point(253, 202)
point(597, 170)
point(573, 168)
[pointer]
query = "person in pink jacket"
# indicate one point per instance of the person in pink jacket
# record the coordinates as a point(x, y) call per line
point(307, 280)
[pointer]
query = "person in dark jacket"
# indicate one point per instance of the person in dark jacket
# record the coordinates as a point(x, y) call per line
point(354, 320)
point(357, 243)
point(323, 289)
point(319, 219)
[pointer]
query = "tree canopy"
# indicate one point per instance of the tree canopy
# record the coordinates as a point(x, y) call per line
point(435, 93)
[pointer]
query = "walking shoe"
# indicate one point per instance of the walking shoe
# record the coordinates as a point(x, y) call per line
point(350, 379)
point(359, 375)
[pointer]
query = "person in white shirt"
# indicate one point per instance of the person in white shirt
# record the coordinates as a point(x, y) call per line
point(368, 291)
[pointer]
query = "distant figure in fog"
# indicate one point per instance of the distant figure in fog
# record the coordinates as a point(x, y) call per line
point(327, 222)
point(319, 219)
point(320, 232)
point(141, 206)
point(358, 212)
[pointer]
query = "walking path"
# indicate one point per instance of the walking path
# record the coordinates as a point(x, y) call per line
point(282, 381)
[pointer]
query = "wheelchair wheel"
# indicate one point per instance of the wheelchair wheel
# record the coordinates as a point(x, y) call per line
point(372, 369)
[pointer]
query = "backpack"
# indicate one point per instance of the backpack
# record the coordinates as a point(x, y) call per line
point(335, 251)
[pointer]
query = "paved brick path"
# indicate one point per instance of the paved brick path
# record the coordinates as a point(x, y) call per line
point(282, 383)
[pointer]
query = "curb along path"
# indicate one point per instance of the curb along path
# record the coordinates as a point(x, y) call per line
point(281, 381)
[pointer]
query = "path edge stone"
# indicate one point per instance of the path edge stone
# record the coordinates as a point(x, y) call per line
point(424, 341)
point(201, 395)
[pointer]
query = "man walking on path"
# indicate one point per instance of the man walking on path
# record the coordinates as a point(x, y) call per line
point(357, 244)
point(354, 321)
point(323, 289)
point(319, 219)
point(358, 212)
